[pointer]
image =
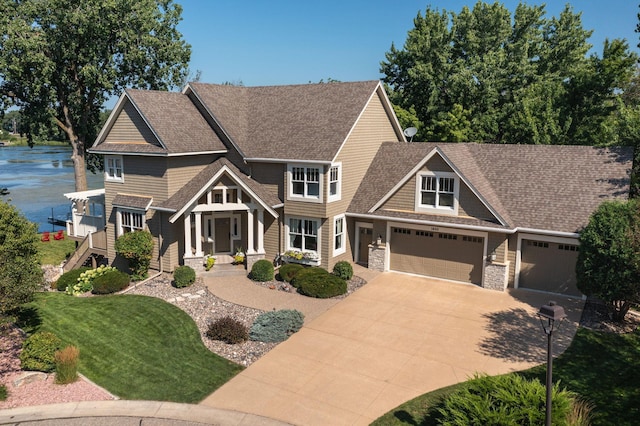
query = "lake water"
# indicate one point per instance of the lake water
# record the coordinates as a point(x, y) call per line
point(36, 178)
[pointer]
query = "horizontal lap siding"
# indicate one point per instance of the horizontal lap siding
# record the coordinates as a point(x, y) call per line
point(271, 236)
point(497, 243)
point(180, 170)
point(511, 258)
point(271, 176)
point(130, 127)
point(470, 205)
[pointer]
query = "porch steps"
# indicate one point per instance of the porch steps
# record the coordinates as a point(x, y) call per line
point(225, 270)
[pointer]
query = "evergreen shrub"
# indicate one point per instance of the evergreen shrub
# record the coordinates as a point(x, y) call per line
point(70, 278)
point(319, 283)
point(4, 393)
point(67, 365)
point(289, 270)
point(343, 269)
point(262, 271)
point(110, 282)
point(276, 326)
point(184, 276)
point(228, 330)
point(137, 248)
point(38, 352)
point(504, 400)
point(85, 281)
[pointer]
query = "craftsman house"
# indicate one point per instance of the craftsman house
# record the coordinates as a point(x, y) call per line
point(320, 173)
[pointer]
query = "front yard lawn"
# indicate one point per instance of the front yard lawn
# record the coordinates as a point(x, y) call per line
point(136, 347)
point(603, 368)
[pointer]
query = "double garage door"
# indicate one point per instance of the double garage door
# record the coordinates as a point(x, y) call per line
point(437, 254)
point(548, 266)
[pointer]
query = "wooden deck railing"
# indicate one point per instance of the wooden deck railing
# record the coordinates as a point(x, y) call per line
point(94, 243)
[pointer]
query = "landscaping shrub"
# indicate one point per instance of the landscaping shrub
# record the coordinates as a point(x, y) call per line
point(86, 278)
point(228, 330)
point(70, 278)
point(110, 282)
point(343, 269)
point(67, 365)
point(137, 248)
point(504, 400)
point(319, 283)
point(262, 271)
point(276, 326)
point(38, 352)
point(289, 270)
point(209, 261)
point(184, 276)
point(3, 392)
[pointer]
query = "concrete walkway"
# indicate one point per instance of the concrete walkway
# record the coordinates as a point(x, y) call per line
point(394, 339)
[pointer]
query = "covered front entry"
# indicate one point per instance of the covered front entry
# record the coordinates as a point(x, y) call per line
point(437, 254)
point(549, 266)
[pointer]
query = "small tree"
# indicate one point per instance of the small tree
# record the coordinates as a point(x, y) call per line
point(137, 248)
point(608, 264)
point(20, 272)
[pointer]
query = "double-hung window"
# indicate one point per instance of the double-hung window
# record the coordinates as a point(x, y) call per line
point(131, 221)
point(303, 234)
point(334, 182)
point(339, 233)
point(113, 168)
point(305, 182)
point(438, 192)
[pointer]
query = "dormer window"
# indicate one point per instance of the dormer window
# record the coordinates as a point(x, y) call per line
point(437, 192)
point(304, 182)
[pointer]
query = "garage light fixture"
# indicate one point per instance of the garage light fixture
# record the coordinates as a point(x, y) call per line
point(548, 315)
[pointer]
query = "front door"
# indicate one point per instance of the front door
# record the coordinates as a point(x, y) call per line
point(363, 245)
point(222, 234)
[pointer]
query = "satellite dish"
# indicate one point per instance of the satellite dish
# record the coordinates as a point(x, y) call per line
point(410, 132)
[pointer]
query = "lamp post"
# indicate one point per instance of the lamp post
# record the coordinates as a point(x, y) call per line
point(549, 314)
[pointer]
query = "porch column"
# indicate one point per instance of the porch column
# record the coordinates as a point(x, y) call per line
point(250, 249)
point(187, 235)
point(260, 230)
point(198, 234)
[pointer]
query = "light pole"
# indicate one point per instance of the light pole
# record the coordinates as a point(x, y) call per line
point(549, 314)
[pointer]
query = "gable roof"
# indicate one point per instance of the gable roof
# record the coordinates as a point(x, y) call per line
point(171, 117)
point(306, 122)
point(189, 193)
point(537, 187)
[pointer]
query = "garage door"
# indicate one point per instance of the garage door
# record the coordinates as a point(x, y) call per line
point(437, 254)
point(548, 266)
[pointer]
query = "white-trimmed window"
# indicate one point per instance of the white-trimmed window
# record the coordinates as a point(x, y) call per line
point(303, 234)
point(130, 221)
point(113, 168)
point(335, 182)
point(304, 182)
point(339, 235)
point(437, 192)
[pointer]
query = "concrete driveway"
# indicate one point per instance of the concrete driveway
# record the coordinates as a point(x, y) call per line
point(394, 339)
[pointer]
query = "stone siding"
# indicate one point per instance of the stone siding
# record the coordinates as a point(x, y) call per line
point(496, 275)
point(376, 257)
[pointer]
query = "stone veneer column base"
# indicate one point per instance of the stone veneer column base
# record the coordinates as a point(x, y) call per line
point(197, 263)
point(376, 257)
point(496, 275)
point(253, 258)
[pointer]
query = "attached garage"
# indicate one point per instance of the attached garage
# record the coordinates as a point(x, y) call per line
point(437, 254)
point(548, 266)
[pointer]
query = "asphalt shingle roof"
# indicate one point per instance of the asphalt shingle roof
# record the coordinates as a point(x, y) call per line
point(551, 187)
point(298, 122)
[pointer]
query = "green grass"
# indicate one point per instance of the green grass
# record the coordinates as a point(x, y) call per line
point(603, 368)
point(55, 251)
point(137, 347)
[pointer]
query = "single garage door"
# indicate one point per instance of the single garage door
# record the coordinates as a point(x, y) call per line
point(437, 254)
point(548, 266)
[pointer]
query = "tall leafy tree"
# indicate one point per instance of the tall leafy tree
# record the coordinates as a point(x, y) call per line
point(60, 60)
point(20, 272)
point(487, 75)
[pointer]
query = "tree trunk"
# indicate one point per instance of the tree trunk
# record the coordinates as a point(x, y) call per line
point(79, 165)
point(619, 310)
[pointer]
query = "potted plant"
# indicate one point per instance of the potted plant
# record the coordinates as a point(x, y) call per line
point(209, 261)
point(238, 258)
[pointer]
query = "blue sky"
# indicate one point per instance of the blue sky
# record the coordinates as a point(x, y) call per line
point(261, 42)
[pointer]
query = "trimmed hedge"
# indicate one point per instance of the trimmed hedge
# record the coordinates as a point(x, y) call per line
point(276, 326)
point(317, 282)
point(70, 278)
point(289, 270)
point(262, 271)
point(111, 282)
point(4, 394)
point(343, 269)
point(39, 352)
point(228, 330)
point(184, 276)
